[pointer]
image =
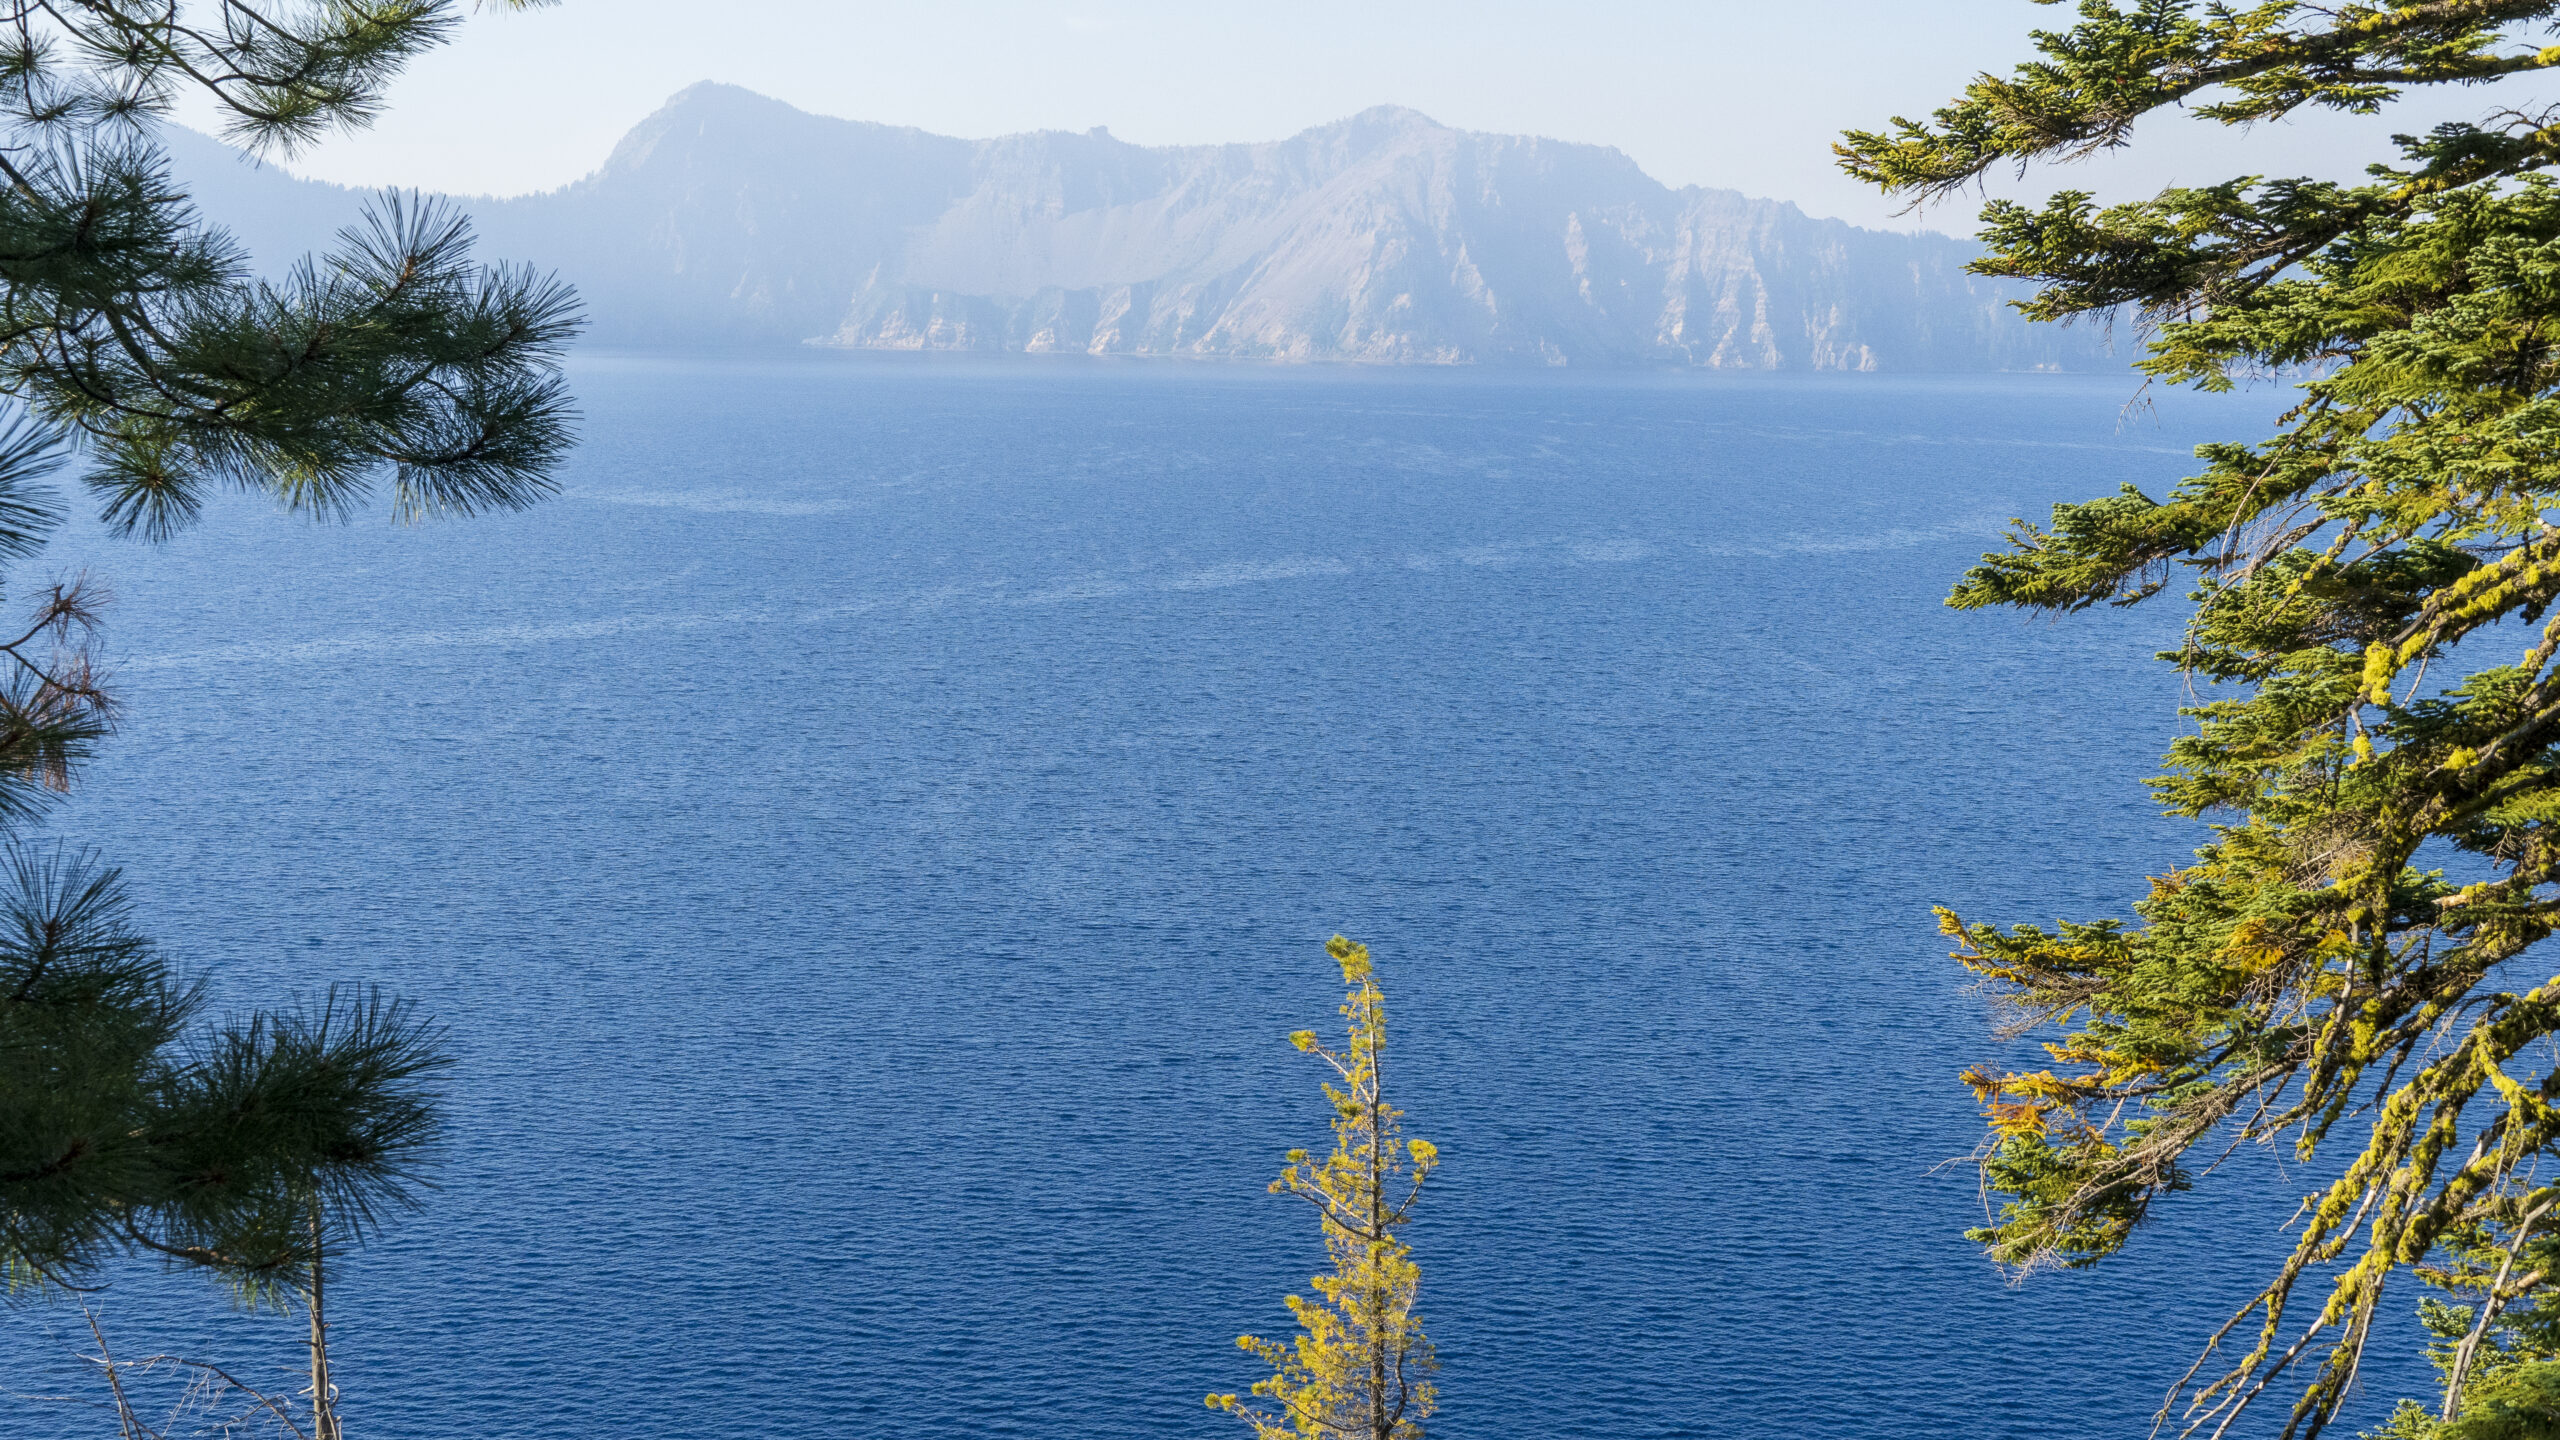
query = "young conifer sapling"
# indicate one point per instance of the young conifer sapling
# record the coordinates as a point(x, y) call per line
point(1359, 1367)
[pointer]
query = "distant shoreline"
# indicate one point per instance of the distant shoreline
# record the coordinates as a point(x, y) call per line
point(816, 352)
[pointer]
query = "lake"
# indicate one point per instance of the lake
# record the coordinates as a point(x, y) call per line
point(871, 833)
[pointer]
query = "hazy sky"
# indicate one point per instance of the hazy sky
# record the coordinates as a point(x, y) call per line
point(1714, 92)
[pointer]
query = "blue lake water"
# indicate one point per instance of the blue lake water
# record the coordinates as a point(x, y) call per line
point(870, 834)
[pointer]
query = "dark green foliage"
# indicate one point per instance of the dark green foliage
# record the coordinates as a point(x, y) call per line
point(88, 1014)
point(2378, 668)
point(130, 1125)
point(129, 326)
point(269, 1119)
point(2521, 1404)
point(136, 345)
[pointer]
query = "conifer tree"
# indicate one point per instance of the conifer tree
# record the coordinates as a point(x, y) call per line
point(250, 1150)
point(2492, 1353)
point(137, 347)
point(133, 336)
point(130, 1123)
point(2373, 641)
point(1359, 1367)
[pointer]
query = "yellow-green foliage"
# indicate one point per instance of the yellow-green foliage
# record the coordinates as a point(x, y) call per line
point(1359, 1368)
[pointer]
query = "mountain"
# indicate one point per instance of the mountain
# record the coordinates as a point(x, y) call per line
point(730, 218)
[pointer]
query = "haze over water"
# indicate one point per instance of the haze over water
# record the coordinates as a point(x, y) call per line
point(870, 834)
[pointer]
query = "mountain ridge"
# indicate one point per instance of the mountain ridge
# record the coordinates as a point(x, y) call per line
point(1385, 237)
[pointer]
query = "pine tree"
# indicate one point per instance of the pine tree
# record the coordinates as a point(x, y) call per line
point(1359, 1367)
point(130, 1123)
point(135, 342)
point(133, 333)
point(137, 347)
point(2373, 642)
point(249, 1150)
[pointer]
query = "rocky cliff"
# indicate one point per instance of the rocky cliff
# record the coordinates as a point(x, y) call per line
point(728, 217)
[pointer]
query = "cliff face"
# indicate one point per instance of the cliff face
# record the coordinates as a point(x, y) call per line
point(727, 217)
point(730, 217)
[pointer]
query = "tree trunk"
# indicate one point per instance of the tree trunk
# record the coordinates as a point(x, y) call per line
point(324, 1399)
point(1377, 1232)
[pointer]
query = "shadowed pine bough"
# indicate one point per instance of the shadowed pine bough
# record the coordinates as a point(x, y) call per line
point(128, 1125)
point(137, 349)
point(2372, 593)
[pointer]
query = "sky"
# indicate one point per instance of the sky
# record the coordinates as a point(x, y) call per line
point(1746, 96)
